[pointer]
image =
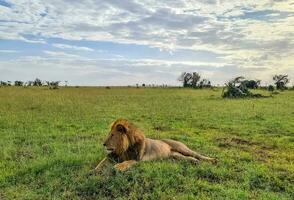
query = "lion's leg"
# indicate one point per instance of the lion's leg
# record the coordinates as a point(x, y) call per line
point(183, 149)
point(189, 152)
point(124, 165)
point(180, 156)
point(102, 162)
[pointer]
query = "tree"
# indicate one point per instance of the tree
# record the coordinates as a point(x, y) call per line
point(18, 83)
point(195, 78)
point(252, 84)
point(186, 78)
point(189, 79)
point(37, 82)
point(3, 83)
point(281, 81)
point(204, 83)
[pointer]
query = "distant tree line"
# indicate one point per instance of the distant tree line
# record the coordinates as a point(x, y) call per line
point(151, 85)
point(237, 87)
point(37, 83)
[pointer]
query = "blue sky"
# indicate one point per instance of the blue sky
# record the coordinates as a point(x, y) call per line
point(118, 42)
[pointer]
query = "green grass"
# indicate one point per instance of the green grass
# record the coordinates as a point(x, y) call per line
point(50, 140)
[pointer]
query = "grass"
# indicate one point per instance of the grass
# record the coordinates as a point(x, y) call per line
point(50, 140)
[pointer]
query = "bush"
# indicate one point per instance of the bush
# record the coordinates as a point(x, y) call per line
point(53, 84)
point(252, 84)
point(237, 88)
point(271, 88)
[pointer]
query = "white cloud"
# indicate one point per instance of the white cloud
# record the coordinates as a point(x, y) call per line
point(40, 41)
point(72, 47)
point(246, 34)
point(60, 55)
point(8, 51)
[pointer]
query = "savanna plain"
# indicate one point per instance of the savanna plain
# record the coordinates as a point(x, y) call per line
point(51, 140)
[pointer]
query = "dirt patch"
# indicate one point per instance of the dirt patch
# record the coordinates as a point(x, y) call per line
point(259, 152)
point(242, 141)
point(262, 155)
point(233, 142)
point(21, 154)
point(161, 128)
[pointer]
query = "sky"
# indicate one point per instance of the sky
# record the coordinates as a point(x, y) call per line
point(119, 42)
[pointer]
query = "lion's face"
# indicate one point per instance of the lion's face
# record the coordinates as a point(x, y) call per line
point(117, 140)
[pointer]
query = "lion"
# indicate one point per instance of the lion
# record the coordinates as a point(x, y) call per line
point(126, 145)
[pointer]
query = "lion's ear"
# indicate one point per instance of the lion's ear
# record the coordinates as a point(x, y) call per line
point(121, 128)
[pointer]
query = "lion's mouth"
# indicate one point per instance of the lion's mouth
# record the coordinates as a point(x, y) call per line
point(109, 150)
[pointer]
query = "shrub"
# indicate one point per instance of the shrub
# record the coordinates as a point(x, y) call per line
point(271, 88)
point(237, 88)
point(252, 84)
point(53, 84)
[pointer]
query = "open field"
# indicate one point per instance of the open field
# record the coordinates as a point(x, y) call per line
point(50, 140)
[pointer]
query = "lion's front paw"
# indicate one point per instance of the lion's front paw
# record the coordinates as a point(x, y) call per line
point(121, 166)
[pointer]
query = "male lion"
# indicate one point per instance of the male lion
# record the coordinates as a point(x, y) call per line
point(127, 145)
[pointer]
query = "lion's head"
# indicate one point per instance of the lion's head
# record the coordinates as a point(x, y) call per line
point(125, 140)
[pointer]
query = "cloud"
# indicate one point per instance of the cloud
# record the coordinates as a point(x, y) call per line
point(72, 47)
point(8, 51)
point(60, 55)
point(40, 41)
point(247, 35)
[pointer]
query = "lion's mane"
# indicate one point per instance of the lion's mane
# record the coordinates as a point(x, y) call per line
point(131, 144)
